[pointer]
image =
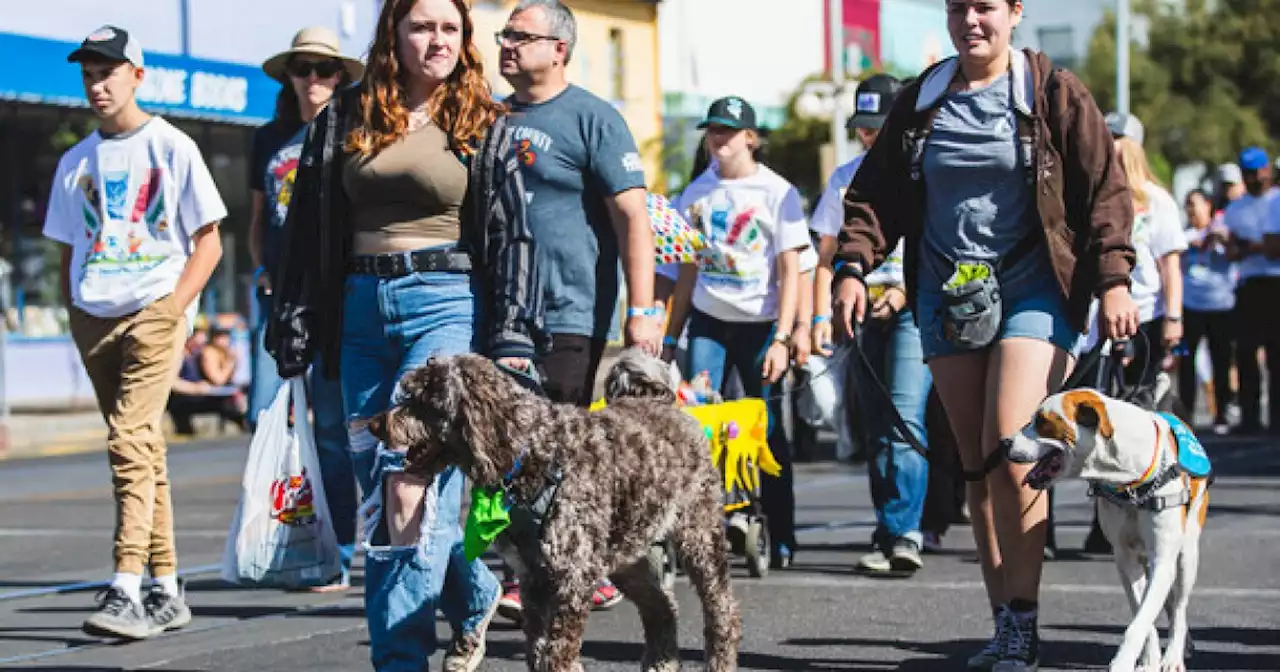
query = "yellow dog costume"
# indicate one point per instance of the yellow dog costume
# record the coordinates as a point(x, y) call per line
point(738, 432)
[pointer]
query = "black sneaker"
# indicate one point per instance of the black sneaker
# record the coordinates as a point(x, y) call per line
point(1022, 648)
point(117, 616)
point(165, 611)
point(990, 654)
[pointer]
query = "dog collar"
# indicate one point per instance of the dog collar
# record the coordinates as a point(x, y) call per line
point(1156, 453)
point(1141, 493)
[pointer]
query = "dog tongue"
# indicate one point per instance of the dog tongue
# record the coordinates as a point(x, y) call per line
point(1042, 470)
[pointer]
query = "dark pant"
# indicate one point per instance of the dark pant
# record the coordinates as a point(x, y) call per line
point(182, 407)
point(1217, 327)
point(569, 371)
point(944, 497)
point(568, 377)
point(1148, 354)
point(1256, 302)
point(716, 347)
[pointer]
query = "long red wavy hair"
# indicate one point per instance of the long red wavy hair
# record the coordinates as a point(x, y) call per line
point(463, 106)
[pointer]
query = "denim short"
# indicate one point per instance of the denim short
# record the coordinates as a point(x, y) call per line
point(1033, 308)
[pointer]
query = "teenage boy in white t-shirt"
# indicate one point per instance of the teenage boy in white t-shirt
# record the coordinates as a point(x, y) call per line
point(137, 214)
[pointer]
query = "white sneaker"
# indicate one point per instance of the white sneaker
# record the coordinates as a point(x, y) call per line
point(875, 562)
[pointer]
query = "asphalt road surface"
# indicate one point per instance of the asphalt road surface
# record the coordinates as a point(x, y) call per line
point(55, 552)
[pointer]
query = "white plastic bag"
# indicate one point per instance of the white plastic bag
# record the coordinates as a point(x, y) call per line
point(282, 535)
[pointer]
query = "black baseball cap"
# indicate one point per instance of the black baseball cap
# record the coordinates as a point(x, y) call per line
point(732, 112)
point(110, 43)
point(874, 99)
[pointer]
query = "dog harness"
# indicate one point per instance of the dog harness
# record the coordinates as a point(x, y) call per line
point(1140, 494)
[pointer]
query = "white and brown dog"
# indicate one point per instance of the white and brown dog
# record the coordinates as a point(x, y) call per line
point(1150, 477)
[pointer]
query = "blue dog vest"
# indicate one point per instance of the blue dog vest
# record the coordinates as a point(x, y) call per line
point(1191, 456)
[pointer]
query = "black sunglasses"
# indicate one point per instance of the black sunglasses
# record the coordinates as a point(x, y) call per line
point(519, 37)
point(323, 69)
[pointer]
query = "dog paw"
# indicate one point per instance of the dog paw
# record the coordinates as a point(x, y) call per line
point(1173, 666)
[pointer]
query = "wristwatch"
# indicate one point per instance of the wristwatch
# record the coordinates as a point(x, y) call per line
point(1173, 318)
point(784, 339)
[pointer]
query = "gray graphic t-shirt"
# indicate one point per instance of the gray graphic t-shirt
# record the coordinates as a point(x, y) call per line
point(978, 203)
point(575, 151)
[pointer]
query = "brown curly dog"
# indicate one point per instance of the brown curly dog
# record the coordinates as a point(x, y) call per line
point(630, 475)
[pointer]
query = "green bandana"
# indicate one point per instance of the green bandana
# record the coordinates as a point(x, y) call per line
point(488, 518)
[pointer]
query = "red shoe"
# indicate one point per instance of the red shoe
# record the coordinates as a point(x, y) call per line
point(509, 606)
point(607, 596)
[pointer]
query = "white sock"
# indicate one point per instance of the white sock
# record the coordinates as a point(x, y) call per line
point(168, 583)
point(131, 584)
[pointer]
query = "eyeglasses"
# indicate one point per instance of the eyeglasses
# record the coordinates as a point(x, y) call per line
point(323, 69)
point(515, 38)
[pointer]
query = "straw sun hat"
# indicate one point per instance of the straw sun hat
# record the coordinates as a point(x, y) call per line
point(313, 41)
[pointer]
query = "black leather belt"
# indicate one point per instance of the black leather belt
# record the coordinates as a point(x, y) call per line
point(403, 263)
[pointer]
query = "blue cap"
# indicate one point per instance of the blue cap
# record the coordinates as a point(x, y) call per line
point(1254, 158)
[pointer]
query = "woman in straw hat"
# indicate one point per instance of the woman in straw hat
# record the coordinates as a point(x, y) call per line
point(311, 70)
point(406, 239)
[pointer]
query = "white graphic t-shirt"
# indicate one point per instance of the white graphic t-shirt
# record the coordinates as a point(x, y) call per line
point(828, 219)
point(128, 206)
point(747, 222)
point(1157, 232)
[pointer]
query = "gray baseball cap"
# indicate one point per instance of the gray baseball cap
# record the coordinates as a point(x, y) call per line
point(1229, 173)
point(1126, 126)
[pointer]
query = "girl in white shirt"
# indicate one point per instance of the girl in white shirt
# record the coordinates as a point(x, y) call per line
point(746, 298)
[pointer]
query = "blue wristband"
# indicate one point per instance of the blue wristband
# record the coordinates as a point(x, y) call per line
point(652, 311)
point(819, 319)
point(671, 341)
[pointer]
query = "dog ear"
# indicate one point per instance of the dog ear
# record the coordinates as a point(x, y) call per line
point(1088, 409)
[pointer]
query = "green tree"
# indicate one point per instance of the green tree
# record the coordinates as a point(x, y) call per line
point(1207, 83)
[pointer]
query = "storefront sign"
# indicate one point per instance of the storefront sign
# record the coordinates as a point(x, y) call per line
point(174, 85)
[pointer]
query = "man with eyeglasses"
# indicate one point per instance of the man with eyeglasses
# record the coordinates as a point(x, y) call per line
point(586, 205)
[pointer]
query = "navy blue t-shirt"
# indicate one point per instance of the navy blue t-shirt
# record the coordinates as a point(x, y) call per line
point(273, 164)
point(576, 151)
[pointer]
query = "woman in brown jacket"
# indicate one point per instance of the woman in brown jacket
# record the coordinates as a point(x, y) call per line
point(1000, 173)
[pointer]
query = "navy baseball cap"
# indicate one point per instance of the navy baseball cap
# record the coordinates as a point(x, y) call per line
point(873, 100)
point(732, 112)
point(1254, 158)
point(108, 43)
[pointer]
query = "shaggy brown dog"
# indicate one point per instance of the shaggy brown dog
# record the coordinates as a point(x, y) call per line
point(632, 474)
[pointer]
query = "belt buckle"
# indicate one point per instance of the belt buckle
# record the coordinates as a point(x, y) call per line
point(406, 258)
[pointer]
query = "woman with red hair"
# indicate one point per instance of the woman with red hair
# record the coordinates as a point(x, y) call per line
point(406, 239)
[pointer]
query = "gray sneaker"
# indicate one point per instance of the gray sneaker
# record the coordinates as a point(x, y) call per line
point(990, 654)
point(874, 562)
point(166, 612)
point(117, 616)
point(905, 556)
point(466, 651)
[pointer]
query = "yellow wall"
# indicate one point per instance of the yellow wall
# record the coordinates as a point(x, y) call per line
point(589, 67)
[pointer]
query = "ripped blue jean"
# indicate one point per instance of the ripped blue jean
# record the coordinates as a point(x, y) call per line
point(391, 326)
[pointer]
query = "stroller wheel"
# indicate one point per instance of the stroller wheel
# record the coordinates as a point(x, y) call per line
point(736, 529)
point(757, 549)
point(662, 564)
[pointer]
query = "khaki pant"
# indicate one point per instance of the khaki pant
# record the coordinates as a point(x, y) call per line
point(133, 361)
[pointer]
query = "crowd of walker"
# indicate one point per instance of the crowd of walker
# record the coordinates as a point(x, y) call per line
point(400, 212)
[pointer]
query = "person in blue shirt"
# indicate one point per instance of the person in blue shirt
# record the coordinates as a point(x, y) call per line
point(585, 187)
point(1208, 299)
